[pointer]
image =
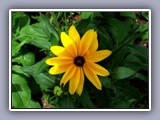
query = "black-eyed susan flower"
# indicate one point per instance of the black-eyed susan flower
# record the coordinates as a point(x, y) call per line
point(77, 58)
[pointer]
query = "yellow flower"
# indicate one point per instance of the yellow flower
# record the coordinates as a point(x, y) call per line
point(76, 58)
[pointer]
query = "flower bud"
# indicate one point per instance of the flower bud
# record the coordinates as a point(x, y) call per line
point(57, 91)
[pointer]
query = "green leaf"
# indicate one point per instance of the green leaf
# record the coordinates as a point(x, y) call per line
point(41, 43)
point(137, 66)
point(140, 52)
point(36, 35)
point(128, 41)
point(141, 77)
point(104, 39)
point(17, 46)
point(119, 29)
point(130, 91)
point(45, 80)
point(85, 98)
point(132, 59)
point(36, 68)
point(82, 26)
point(19, 20)
point(145, 15)
point(33, 104)
point(47, 26)
point(119, 57)
point(21, 94)
point(122, 73)
point(122, 103)
point(128, 14)
point(142, 27)
point(54, 41)
point(86, 15)
point(67, 102)
point(96, 15)
point(16, 16)
point(106, 82)
point(145, 36)
point(40, 33)
point(40, 30)
point(134, 63)
point(18, 69)
point(26, 59)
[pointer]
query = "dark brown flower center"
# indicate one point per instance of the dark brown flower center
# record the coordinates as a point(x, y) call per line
point(79, 61)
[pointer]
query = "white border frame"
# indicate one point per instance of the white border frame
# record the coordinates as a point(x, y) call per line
point(69, 10)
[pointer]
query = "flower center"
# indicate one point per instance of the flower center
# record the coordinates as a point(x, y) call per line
point(79, 61)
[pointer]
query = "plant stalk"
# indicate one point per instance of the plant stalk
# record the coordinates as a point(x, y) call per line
point(56, 22)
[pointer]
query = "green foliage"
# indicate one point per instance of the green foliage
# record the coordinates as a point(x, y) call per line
point(21, 94)
point(129, 14)
point(19, 20)
point(39, 34)
point(86, 15)
point(26, 59)
point(34, 33)
point(119, 29)
point(122, 73)
point(43, 79)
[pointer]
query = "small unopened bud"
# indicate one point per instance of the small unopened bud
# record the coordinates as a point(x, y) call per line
point(57, 91)
point(74, 21)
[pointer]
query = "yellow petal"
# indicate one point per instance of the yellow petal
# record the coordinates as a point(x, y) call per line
point(92, 77)
point(81, 83)
point(59, 51)
point(86, 42)
point(74, 82)
point(59, 60)
point(98, 55)
point(68, 74)
point(74, 35)
point(69, 44)
point(97, 69)
point(94, 44)
point(57, 69)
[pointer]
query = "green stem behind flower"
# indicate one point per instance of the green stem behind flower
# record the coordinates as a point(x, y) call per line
point(56, 22)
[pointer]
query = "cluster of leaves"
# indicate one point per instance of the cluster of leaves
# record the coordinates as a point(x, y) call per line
point(120, 32)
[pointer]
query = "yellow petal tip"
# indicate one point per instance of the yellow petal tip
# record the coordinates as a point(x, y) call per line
point(63, 33)
point(46, 61)
point(110, 52)
point(71, 93)
point(100, 88)
point(79, 93)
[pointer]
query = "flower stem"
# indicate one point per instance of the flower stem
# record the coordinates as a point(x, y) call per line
point(56, 22)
